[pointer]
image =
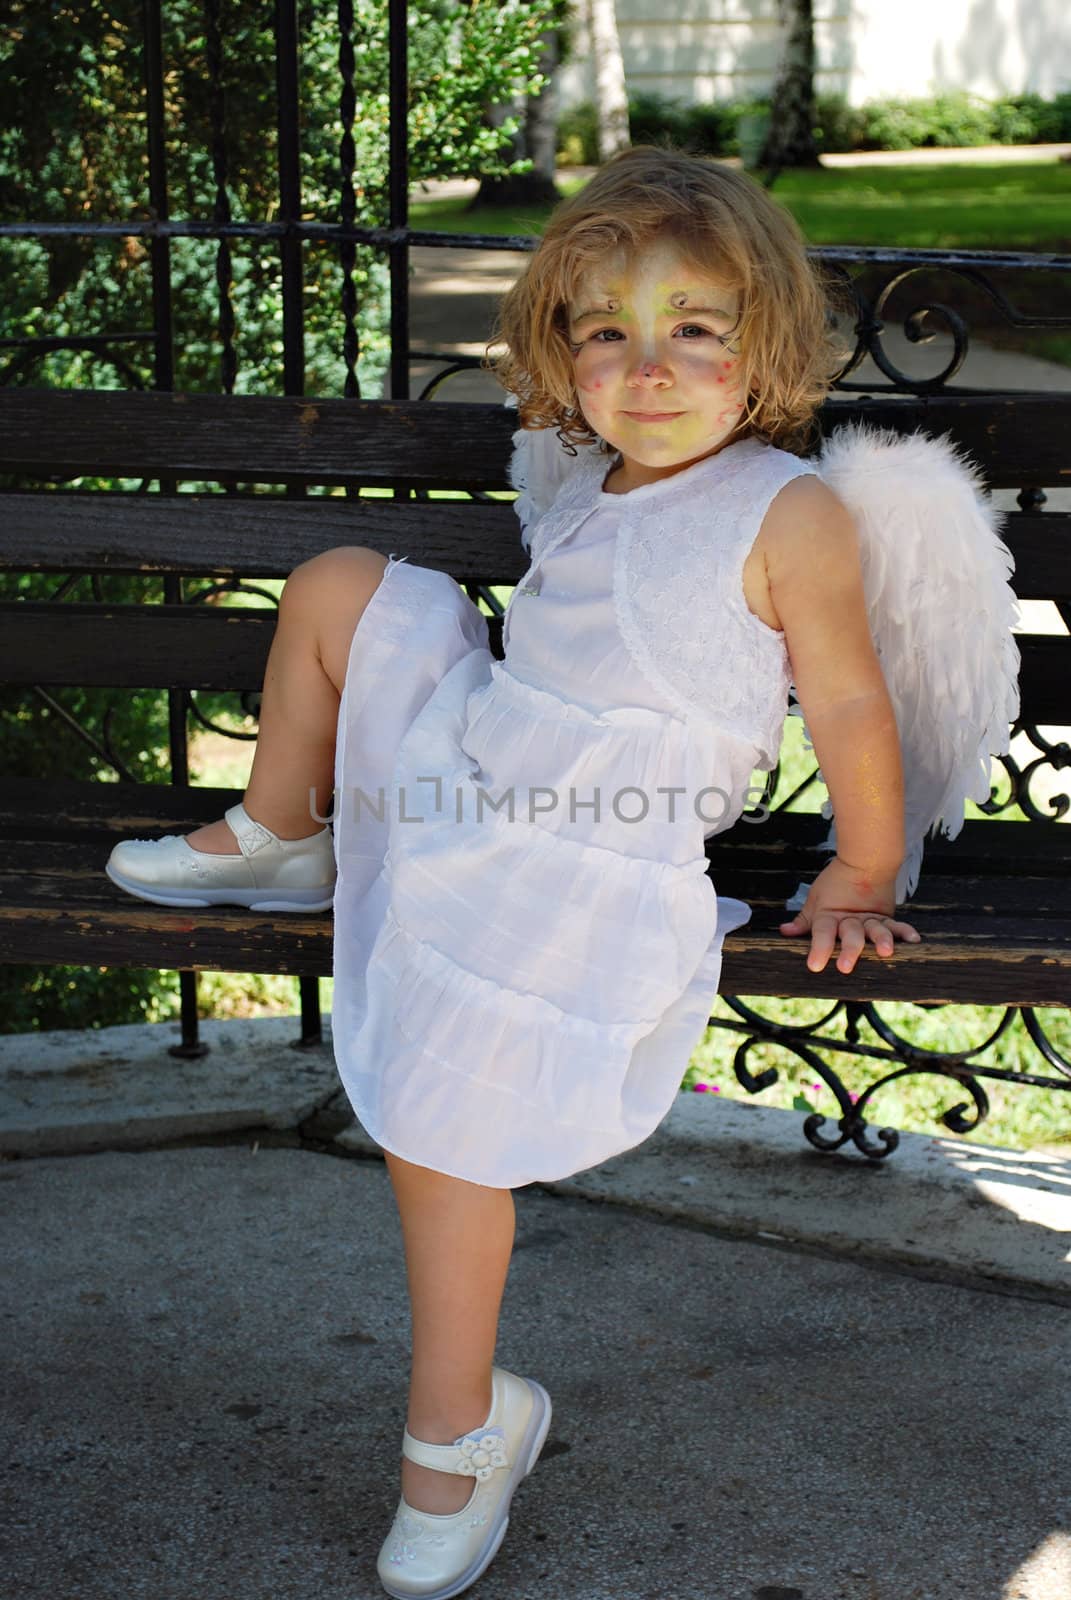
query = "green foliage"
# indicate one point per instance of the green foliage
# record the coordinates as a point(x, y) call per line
point(578, 136)
point(72, 143)
point(34, 999)
point(654, 119)
point(951, 120)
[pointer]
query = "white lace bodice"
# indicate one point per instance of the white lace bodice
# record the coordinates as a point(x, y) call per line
point(678, 574)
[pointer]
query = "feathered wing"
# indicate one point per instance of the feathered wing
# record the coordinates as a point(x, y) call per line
point(538, 467)
point(941, 611)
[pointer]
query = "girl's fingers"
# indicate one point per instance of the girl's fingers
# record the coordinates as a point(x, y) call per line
point(853, 936)
point(823, 938)
point(854, 931)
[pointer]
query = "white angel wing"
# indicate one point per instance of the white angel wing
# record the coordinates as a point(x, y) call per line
point(941, 611)
point(540, 464)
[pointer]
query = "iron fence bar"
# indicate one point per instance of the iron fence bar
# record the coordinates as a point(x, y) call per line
point(290, 255)
point(286, 77)
point(398, 178)
point(160, 249)
point(348, 233)
point(321, 232)
point(191, 1045)
point(43, 342)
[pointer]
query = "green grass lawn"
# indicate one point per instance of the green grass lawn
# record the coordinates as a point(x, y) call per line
point(997, 206)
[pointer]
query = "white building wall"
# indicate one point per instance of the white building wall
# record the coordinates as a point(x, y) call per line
point(704, 50)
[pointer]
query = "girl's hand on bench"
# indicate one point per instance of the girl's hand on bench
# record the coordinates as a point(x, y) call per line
point(836, 908)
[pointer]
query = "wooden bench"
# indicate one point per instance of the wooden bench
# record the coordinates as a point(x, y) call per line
point(994, 906)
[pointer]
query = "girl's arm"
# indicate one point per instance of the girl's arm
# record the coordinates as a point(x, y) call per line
point(811, 550)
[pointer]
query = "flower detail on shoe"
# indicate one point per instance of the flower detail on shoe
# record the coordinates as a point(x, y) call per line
point(481, 1453)
point(411, 1533)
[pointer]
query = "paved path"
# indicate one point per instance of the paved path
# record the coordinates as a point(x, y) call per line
point(776, 1375)
point(204, 1390)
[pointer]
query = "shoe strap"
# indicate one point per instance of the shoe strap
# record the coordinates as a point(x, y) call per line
point(473, 1455)
point(251, 836)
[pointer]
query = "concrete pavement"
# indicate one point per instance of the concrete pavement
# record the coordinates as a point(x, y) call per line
point(776, 1375)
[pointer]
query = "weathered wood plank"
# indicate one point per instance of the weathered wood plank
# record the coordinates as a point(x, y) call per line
point(57, 906)
point(69, 869)
point(191, 647)
point(266, 537)
point(1017, 438)
point(32, 809)
point(226, 648)
point(257, 536)
point(1025, 969)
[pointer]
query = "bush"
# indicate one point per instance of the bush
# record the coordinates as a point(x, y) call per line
point(578, 136)
point(1028, 119)
point(36, 999)
point(653, 118)
point(708, 129)
point(912, 124)
point(954, 120)
point(839, 126)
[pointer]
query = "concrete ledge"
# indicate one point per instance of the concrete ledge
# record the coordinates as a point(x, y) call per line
point(73, 1091)
point(972, 1213)
point(965, 1212)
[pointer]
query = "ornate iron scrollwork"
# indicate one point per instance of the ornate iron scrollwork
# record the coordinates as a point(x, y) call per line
point(801, 1040)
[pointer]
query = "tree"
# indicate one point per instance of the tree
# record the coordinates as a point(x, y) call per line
point(611, 96)
point(534, 144)
point(790, 140)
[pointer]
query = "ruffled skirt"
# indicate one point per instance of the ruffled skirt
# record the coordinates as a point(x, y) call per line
point(519, 982)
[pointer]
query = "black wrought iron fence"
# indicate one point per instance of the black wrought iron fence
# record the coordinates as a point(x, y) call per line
point(932, 292)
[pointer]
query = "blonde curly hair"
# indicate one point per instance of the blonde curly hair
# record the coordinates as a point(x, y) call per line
point(727, 226)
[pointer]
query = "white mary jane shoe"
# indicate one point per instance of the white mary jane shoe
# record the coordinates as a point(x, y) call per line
point(430, 1557)
point(270, 874)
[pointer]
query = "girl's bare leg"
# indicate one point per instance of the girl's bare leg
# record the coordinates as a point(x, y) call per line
point(458, 1242)
point(321, 604)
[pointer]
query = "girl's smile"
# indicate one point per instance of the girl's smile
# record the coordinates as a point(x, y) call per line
point(656, 362)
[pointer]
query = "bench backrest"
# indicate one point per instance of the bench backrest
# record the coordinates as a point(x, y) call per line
point(1019, 441)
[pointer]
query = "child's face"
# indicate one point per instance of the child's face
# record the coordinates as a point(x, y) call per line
point(656, 365)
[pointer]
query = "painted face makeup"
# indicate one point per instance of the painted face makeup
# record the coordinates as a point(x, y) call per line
point(656, 364)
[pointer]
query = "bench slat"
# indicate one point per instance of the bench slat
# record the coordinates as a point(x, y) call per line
point(1020, 438)
point(32, 809)
point(1009, 963)
point(1004, 936)
point(64, 871)
point(261, 536)
point(226, 648)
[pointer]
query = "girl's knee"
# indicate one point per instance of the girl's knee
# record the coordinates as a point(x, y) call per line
point(338, 579)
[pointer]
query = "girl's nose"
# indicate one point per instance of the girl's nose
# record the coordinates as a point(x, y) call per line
point(648, 373)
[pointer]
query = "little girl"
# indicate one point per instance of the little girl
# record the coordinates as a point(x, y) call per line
point(527, 942)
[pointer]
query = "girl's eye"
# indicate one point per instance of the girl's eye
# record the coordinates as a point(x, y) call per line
point(693, 328)
point(608, 335)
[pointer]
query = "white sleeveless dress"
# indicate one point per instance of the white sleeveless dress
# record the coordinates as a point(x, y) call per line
point(527, 944)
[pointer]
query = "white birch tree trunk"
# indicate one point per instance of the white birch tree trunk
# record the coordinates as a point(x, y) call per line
point(611, 96)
